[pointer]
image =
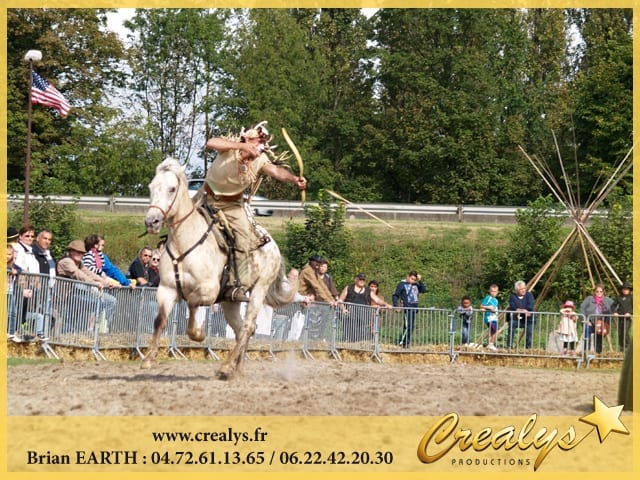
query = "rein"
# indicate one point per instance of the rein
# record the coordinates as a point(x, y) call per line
point(176, 260)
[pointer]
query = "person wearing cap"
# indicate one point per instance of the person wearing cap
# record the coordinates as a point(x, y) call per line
point(622, 309)
point(520, 310)
point(406, 293)
point(567, 328)
point(237, 168)
point(357, 322)
point(71, 267)
point(310, 282)
point(12, 235)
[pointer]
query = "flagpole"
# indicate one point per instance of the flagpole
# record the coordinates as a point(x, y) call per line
point(31, 56)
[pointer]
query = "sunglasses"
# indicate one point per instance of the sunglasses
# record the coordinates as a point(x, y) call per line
point(155, 259)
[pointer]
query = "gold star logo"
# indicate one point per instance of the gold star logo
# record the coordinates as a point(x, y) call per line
point(606, 419)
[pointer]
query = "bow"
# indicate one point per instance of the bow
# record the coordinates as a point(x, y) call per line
point(296, 153)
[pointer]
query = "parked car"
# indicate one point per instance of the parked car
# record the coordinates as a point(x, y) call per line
point(196, 183)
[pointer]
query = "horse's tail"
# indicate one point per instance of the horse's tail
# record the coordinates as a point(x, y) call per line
point(280, 292)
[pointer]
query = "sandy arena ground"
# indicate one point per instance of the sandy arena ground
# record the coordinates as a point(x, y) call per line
point(298, 386)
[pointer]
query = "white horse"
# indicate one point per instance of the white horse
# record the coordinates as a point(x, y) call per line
point(191, 267)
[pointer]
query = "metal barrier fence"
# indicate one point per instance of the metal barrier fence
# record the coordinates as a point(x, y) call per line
point(67, 313)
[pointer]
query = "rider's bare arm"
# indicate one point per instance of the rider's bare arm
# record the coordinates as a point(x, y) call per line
point(220, 144)
point(284, 175)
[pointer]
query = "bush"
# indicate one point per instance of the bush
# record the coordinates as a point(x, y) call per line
point(323, 233)
point(60, 219)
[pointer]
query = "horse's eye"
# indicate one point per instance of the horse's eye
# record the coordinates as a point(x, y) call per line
point(172, 190)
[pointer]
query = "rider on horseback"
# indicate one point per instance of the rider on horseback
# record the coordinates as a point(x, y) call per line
point(237, 168)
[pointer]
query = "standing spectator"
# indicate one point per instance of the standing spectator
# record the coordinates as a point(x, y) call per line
point(319, 316)
point(324, 276)
point(406, 293)
point(465, 313)
point(567, 328)
point(521, 307)
point(12, 278)
point(592, 307)
point(310, 282)
point(139, 268)
point(43, 254)
point(490, 307)
point(356, 324)
point(154, 273)
point(376, 299)
point(31, 293)
point(25, 258)
point(359, 293)
point(47, 267)
point(622, 309)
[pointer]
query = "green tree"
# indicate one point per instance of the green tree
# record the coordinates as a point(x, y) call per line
point(452, 104)
point(604, 92)
point(83, 60)
point(60, 219)
point(172, 63)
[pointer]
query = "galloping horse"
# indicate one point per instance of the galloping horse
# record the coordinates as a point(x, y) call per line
point(191, 267)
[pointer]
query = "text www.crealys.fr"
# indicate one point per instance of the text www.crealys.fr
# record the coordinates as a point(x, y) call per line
point(229, 435)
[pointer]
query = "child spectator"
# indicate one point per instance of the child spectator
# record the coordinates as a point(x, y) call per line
point(490, 306)
point(465, 312)
point(567, 328)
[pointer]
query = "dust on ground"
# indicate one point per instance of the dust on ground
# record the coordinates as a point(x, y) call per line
point(299, 386)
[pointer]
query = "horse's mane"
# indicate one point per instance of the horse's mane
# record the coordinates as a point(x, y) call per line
point(172, 165)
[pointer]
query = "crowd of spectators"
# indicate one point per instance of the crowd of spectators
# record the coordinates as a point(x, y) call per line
point(86, 261)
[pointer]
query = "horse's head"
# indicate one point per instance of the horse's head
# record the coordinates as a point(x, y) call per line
point(167, 194)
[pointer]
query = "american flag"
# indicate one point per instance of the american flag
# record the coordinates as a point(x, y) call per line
point(45, 93)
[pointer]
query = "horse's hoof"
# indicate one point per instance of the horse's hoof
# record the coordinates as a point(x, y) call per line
point(225, 373)
point(146, 364)
point(196, 336)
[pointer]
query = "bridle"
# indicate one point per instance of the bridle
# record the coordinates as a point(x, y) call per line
point(176, 260)
point(165, 214)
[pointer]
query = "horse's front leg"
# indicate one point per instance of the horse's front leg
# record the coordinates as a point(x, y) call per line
point(196, 326)
point(244, 330)
point(165, 304)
